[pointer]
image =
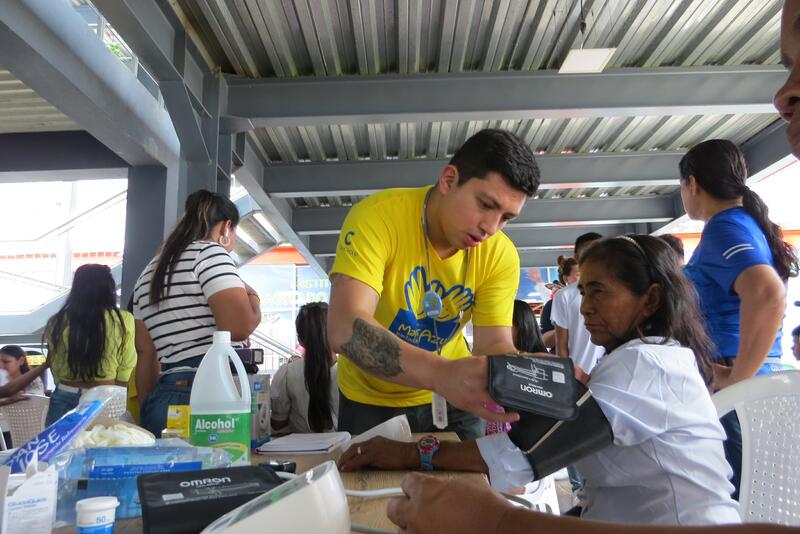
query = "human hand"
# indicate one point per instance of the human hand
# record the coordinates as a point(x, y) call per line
point(249, 290)
point(16, 397)
point(464, 382)
point(380, 453)
point(434, 505)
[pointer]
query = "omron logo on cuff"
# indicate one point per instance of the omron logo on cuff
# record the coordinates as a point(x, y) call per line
point(543, 385)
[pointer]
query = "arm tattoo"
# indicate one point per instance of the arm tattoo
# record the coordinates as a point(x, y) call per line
point(373, 349)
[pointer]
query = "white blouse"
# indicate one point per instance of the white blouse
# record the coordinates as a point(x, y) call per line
point(666, 465)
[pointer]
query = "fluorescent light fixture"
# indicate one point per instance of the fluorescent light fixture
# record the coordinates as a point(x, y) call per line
point(267, 226)
point(586, 60)
point(243, 236)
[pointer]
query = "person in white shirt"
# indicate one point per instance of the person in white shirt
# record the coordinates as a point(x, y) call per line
point(303, 395)
point(664, 464)
point(572, 338)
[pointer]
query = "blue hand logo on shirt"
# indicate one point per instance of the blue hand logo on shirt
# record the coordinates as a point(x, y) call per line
point(413, 326)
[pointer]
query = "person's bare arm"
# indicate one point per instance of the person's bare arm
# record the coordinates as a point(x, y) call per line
point(382, 453)
point(277, 424)
point(763, 301)
point(147, 366)
point(432, 505)
point(528, 522)
point(18, 384)
point(487, 340)
point(236, 310)
point(354, 332)
point(549, 339)
point(562, 342)
point(15, 398)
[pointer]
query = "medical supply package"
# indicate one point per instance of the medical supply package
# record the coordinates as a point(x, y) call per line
point(189, 501)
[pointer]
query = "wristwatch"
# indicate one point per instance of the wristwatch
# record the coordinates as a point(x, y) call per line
point(427, 447)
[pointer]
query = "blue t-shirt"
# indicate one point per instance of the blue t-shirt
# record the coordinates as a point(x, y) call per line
point(731, 242)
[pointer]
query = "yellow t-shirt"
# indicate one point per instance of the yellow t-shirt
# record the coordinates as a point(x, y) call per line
point(116, 365)
point(382, 245)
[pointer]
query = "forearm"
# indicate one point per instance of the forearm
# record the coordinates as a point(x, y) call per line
point(759, 321)
point(497, 349)
point(549, 339)
point(147, 371)
point(459, 456)
point(19, 383)
point(562, 342)
point(521, 521)
point(277, 424)
point(451, 456)
point(379, 352)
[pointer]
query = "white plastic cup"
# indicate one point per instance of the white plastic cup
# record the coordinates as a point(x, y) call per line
point(96, 515)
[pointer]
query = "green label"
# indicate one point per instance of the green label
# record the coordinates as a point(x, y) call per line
point(229, 431)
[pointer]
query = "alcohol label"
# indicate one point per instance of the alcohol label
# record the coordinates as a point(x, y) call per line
point(226, 431)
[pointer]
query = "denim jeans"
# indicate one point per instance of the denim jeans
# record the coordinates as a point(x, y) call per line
point(171, 389)
point(356, 417)
point(60, 403)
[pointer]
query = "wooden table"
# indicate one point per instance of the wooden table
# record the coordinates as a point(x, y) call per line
point(366, 512)
point(370, 512)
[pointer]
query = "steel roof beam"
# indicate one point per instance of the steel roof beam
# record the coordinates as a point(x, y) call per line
point(159, 41)
point(568, 171)
point(501, 95)
point(49, 47)
point(523, 238)
point(277, 210)
point(537, 213)
point(71, 155)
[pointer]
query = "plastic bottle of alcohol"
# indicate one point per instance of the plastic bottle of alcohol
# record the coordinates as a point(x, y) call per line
point(219, 413)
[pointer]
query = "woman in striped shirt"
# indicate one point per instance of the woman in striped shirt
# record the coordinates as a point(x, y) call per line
point(189, 290)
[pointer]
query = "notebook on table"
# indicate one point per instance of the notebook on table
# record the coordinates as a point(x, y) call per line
point(313, 443)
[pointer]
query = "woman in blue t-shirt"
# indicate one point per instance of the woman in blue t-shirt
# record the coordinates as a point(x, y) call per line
point(740, 269)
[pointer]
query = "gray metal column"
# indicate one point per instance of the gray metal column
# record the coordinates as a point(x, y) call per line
point(145, 223)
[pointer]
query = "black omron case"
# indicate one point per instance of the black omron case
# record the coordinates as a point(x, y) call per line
point(188, 501)
point(536, 384)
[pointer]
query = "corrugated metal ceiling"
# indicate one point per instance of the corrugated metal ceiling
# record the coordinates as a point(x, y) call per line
point(331, 37)
point(22, 110)
point(289, 38)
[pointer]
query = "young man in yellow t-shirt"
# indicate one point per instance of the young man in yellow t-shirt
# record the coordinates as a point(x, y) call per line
point(412, 267)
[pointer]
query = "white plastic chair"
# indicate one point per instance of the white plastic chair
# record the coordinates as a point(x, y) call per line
point(768, 408)
point(543, 496)
point(26, 418)
point(118, 404)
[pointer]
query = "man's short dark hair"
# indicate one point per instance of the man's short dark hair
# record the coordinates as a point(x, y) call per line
point(585, 239)
point(674, 243)
point(501, 152)
point(796, 331)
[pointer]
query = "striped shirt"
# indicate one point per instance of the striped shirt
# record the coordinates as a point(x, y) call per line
point(182, 324)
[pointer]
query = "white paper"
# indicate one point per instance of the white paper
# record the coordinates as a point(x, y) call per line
point(305, 443)
point(31, 507)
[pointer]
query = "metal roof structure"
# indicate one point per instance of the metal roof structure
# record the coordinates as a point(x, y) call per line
point(313, 104)
point(322, 165)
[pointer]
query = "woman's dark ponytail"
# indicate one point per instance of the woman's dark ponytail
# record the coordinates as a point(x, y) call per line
point(311, 324)
point(720, 169)
point(203, 210)
point(783, 255)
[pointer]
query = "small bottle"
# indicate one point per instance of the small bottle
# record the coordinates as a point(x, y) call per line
point(96, 515)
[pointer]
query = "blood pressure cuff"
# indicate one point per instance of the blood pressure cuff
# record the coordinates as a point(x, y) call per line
point(543, 385)
point(550, 444)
